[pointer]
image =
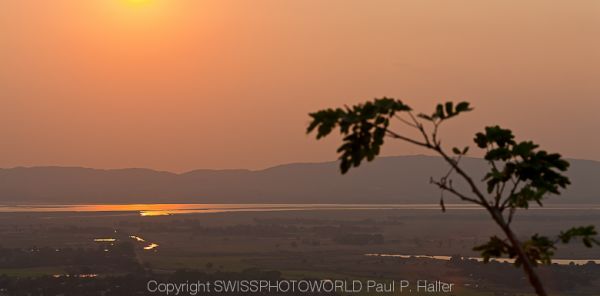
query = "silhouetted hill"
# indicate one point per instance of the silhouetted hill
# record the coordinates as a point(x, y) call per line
point(403, 179)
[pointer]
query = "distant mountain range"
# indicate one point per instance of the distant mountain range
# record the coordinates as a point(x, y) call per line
point(403, 179)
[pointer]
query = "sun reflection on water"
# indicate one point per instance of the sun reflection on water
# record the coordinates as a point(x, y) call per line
point(154, 213)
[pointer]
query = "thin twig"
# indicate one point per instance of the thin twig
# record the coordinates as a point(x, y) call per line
point(420, 128)
point(450, 189)
point(463, 174)
point(398, 136)
point(512, 192)
point(406, 121)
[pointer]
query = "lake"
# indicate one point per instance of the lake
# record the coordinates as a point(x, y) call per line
point(173, 209)
point(479, 259)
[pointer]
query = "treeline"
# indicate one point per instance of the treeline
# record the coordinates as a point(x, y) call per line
point(117, 257)
point(127, 285)
point(340, 233)
point(559, 278)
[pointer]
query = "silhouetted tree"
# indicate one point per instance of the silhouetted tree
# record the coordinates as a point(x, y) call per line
point(519, 173)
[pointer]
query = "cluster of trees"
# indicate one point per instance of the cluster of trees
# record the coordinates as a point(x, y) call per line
point(351, 232)
point(117, 257)
point(565, 278)
point(125, 285)
point(359, 239)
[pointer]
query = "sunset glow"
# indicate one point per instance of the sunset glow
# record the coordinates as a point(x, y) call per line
point(187, 147)
point(138, 2)
point(144, 83)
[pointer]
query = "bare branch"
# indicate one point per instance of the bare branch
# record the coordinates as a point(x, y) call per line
point(398, 136)
point(420, 128)
point(411, 124)
point(442, 184)
point(463, 174)
point(451, 167)
point(511, 213)
point(436, 126)
point(512, 192)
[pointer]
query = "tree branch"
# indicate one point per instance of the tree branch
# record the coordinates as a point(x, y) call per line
point(411, 124)
point(463, 174)
point(442, 185)
point(420, 128)
point(512, 192)
point(398, 136)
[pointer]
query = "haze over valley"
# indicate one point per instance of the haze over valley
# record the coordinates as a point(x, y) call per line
point(402, 179)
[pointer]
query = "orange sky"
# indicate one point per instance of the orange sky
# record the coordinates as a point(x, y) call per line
point(184, 84)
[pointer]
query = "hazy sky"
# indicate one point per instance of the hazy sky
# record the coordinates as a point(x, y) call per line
point(184, 84)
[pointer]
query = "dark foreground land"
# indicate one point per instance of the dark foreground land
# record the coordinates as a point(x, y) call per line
point(113, 253)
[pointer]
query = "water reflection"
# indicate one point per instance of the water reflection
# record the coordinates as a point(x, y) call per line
point(151, 246)
point(89, 275)
point(105, 240)
point(479, 259)
point(137, 238)
point(171, 209)
point(154, 213)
